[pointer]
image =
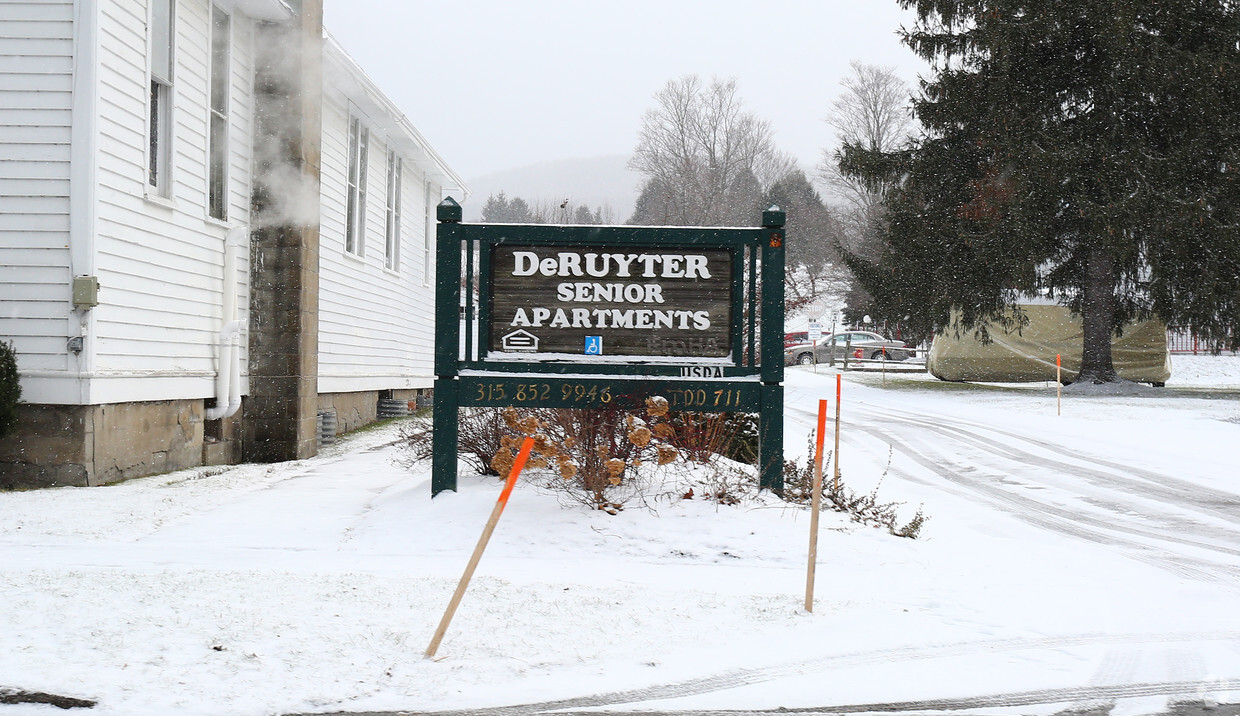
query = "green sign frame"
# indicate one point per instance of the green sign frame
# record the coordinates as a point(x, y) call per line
point(468, 374)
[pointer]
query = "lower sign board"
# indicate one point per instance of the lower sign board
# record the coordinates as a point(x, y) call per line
point(638, 302)
point(625, 394)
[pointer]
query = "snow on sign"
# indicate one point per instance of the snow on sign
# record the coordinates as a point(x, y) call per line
point(637, 302)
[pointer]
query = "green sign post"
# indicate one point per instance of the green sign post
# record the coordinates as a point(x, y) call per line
point(605, 317)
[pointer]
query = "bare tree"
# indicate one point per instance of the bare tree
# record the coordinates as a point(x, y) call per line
point(705, 159)
point(874, 109)
point(872, 112)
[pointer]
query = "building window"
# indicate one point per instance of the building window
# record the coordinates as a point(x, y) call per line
point(391, 254)
point(355, 228)
point(159, 130)
point(217, 140)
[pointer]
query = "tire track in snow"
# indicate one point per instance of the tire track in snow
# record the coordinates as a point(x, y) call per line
point(748, 677)
point(1108, 522)
point(1112, 531)
point(1158, 486)
point(1119, 498)
point(1083, 694)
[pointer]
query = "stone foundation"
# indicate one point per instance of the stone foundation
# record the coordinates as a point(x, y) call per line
point(74, 445)
point(221, 441)
point(356, 410)
point(353, 410)
point(58, 445)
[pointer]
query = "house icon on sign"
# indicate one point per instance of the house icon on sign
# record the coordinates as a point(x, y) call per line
point(519, 340)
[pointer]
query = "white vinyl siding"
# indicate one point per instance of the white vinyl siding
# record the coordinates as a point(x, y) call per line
point(36, 103)
point(158, 256)
point(376, 327)
point(160, 263)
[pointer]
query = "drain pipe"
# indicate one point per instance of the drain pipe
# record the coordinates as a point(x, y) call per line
point(228, 377)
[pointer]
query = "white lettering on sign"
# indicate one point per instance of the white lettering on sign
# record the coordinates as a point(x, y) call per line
point(583, 292)
point(643, 300)
point(599, 265)
point(611, 318)
point(570, 263)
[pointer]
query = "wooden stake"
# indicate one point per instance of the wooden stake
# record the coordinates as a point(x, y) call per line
point(817, 503)
point(838, 381)
point(1058, 383)
point(502, 502)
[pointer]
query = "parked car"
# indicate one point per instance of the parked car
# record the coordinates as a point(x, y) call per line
point(862, 344)
point(795, 338)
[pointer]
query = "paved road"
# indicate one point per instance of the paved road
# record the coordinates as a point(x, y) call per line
point(1010, 702)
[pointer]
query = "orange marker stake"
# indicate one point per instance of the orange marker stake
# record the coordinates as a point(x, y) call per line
point(838, 382)
point(1058, 384)
point(817, 503)
point(500, 504)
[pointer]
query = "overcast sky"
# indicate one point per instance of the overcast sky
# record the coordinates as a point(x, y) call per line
point(499, 84)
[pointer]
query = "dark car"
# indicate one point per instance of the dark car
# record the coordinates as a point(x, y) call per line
point(862, 344)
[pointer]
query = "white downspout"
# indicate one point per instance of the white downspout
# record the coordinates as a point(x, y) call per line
point(228, 376)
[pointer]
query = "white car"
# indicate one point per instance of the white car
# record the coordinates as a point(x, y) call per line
point(860, 344)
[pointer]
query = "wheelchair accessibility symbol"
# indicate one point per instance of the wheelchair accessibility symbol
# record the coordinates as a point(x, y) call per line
point(594, 345)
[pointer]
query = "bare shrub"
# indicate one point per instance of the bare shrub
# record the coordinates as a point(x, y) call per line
point(861, 508)
point(595, 455)
point(701, 436)
point(479, 435)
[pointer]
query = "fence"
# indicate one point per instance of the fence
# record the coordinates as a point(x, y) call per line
point(1185, 342)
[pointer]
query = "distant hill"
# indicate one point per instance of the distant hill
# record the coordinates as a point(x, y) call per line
point(595, 182)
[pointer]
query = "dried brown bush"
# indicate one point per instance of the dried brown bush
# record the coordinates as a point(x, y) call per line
point(591, 450)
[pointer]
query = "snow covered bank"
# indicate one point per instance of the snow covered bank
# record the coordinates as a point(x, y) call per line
point(1068, 560)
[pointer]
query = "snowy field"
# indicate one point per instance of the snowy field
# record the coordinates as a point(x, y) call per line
point(1083, 561)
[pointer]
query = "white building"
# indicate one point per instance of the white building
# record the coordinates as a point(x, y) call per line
point(134, 137)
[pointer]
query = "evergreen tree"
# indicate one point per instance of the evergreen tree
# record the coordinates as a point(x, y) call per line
point(500, 209)
point(1084, 149)
point(813, 267)
point(10, 388)
point(583, 215)
point(654, 205)
point(503, 210)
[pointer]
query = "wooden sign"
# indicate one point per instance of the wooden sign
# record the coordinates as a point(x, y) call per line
point(604, 317)
point(591, 301)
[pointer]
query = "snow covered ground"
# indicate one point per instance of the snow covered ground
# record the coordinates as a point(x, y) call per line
point(1074, 561)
